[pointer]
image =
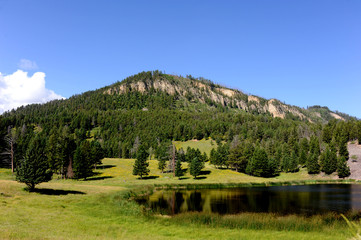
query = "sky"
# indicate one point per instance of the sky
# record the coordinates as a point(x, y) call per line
point(302, 52)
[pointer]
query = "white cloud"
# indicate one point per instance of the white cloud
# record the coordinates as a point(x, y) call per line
point(26, 64)
point(19, 89)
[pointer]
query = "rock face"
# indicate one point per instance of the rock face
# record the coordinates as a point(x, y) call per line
point(206, 92)
point(355, 161)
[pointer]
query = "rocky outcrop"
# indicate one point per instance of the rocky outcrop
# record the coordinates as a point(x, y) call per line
point(198, 91)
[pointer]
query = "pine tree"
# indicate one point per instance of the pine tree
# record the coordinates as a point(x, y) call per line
point(195, 167)
point(303, 157)
point(342, 151)
point(293, 162)
point(53, 152)
point(286, 162)
point(214, 157)
point(315, 146)
point(83, 164)
point(178, 169)
point(328, 161)
point(34, 168)
point(273, 167)
point(342, 169)
point(327, 134)
point(259, 163)
point(235, 157)
point(96, 153)
point(223, 151)
point(163, 155)
point(140, 166)
point(312, 164)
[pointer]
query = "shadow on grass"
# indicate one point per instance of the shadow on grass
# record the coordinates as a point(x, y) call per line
point(199, 178)
point(184, 178)
point(58, 192)
point(205, 172)
point(97, 178)
point(222, 168)
point(148, 177)
point(105, 166)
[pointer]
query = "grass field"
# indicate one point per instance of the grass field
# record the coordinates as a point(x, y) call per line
point(203, 145)
point(99, 209)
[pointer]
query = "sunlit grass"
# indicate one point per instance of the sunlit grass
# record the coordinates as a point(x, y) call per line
point(203, 145)
point(98, 209)
point(106, 214)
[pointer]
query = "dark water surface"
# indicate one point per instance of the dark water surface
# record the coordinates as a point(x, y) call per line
point(304, 199)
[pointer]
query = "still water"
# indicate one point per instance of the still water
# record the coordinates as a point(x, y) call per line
point(304, 199)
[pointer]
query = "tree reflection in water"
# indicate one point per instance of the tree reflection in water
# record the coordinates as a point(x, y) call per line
point(305, 199)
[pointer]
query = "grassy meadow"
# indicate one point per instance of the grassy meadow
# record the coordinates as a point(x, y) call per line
point(99, 208)
point(204, 145)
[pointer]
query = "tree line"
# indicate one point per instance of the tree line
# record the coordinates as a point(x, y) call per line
point(120, 123)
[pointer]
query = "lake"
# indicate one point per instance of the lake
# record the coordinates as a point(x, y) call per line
point(303, 199)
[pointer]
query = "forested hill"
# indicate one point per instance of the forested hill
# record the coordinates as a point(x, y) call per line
point(199, 93)
point(153, 90)
point(152, 108)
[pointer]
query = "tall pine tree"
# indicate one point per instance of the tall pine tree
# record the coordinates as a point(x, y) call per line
point(140, 166)
point(312, 164)
point(342, 169)
point(34, 168)
point(178, 169)
point(195, 167)
point(329, 161)
point(83, 164)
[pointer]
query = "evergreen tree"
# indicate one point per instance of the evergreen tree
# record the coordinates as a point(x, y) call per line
point(303, 157)
point(162, 163)
point(83, 164)
point(294, 162)
point(315, 146)
point(273, 167)
point(327, 134)
point(34, 168)
point(162, 153)
point(304, 145)
point(235, 157)
point(342, 169)
point(178, 169)
point(328, 161)
point(312, 164)
point(259, 163)
point(214, 157)
point(96, 153)
point(286, 162)
point(140, 167)
point(180, 155)
point(195, 167)
point(53, 152)
point(342, 151)
point(223, 151)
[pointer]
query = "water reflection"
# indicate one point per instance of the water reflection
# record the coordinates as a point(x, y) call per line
point(306, 199)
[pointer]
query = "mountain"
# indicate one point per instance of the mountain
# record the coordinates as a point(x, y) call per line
point(190, 91)
point(152, 108)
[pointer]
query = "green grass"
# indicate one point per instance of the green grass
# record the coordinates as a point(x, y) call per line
point(100, 209)
point(203, 145)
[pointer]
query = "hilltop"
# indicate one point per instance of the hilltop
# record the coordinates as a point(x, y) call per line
point(153, 109)
point(191, 91)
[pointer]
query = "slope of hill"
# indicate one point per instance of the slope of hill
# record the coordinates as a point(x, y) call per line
point(152, 108)
point(190, 90)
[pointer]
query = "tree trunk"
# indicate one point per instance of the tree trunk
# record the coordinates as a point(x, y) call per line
point(12, 155)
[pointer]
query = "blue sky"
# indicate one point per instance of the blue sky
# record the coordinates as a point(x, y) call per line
point(302, 52)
